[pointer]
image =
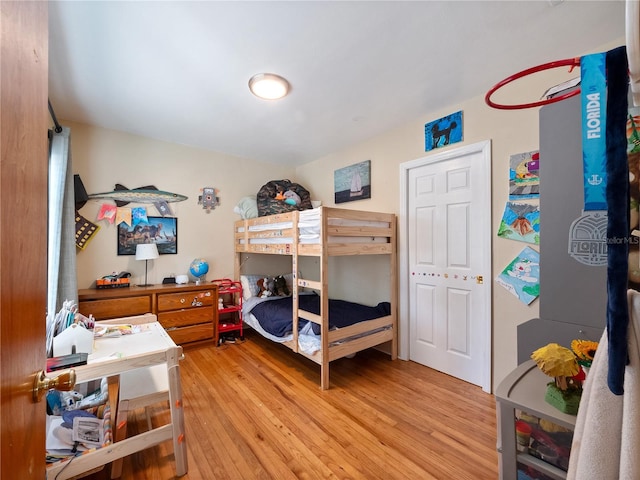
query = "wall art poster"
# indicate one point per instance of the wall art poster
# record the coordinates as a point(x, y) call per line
point(522, 276)
point(443, 132)
point(521, 222)
point(163, 231)
point(524, 178)
point(352, 182)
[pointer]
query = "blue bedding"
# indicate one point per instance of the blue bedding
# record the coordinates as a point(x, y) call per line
point(275, 315)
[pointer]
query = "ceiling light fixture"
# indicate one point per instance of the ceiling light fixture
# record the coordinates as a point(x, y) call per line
point(268, 86)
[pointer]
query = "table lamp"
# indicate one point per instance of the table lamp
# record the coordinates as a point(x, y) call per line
point(146, 252)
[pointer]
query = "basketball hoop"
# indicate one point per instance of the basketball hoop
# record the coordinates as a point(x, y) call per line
point(571, 62)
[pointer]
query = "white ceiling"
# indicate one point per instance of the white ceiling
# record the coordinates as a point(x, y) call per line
point(178, 71)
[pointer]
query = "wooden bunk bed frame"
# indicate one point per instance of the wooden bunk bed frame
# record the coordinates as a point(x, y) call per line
point(344, 341)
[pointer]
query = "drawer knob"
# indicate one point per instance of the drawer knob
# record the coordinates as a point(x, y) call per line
point(182, 300)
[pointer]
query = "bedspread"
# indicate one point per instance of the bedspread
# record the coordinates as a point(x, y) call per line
point(275, 314)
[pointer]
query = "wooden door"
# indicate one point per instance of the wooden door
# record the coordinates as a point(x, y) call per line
point(449, 246)
point(23, 243)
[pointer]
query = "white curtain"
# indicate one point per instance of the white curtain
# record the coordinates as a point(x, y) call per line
point(62, 281)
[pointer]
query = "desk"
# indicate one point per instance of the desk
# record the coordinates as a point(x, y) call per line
point(111, 357)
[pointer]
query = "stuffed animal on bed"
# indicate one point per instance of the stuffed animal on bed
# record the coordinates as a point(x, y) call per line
point(266, 287)
point(273, 287)
point(291, 198)
point(280, 286)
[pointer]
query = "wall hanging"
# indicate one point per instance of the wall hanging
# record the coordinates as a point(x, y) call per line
point(522, 276)
point(524, 179)
point(209, 199)
point(521, 222)
point(163, 231)
point(352, 182)
point(443, 131)
point(149, 194)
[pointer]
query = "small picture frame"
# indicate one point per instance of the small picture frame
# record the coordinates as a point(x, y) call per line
point(163, 231)
point(352, 182)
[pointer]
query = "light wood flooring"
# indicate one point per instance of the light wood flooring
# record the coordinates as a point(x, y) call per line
point(254, 410)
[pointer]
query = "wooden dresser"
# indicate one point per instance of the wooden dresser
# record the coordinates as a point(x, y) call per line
point(188, 312)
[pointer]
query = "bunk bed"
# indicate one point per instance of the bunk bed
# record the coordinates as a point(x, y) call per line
point(322, 233)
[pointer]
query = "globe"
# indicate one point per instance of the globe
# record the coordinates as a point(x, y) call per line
point(199, 267)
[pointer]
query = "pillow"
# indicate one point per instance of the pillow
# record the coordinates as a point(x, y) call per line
point(247, 207)
point(250, 284)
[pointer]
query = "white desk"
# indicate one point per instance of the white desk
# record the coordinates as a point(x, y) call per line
point(111, 357)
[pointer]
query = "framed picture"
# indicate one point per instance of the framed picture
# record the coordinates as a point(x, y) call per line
point(352, 182)
point(163, 231)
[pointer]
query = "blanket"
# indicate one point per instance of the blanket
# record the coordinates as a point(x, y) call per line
point(606, 440)
point(275, 314)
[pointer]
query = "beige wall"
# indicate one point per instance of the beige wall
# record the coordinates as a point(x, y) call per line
point(105, 157)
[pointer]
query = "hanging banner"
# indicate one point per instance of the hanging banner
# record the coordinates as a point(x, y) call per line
point(123, 215)
point(594, 120)
point(588, 233)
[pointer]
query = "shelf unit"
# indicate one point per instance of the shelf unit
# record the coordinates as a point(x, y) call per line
point(523, 390)
point(229, 307)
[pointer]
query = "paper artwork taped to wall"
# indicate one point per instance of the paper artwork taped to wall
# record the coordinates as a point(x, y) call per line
point(524, 179)
point(521, 222)
point(522, 276)
point(443, 132)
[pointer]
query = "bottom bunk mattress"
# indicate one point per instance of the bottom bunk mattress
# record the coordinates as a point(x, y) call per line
point(272, 317)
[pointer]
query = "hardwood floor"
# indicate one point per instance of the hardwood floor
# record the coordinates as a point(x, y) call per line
point(254, 410)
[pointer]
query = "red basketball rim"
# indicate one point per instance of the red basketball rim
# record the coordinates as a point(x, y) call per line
point(571, 62)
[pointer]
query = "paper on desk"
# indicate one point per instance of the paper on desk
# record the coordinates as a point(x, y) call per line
point(73, 336)
point(113, 330)
point(53, 441)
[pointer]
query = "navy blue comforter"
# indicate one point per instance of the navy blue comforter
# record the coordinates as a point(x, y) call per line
point(275, 316)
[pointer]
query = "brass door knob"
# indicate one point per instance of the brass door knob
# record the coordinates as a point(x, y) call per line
point(42, 384)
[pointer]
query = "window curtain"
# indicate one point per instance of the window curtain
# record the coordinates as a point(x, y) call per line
point(61, 274)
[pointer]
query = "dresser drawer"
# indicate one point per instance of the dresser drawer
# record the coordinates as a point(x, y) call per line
point(191, 334)
point(177, 301)
point(183, 318)
point(115, 307)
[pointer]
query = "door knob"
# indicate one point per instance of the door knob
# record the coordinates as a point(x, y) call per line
point(42, 384)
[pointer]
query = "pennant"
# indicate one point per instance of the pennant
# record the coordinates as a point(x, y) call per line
point(139, 214)
point(123, 215)
point(107, 212)
point(85, 230)
point(163, 208)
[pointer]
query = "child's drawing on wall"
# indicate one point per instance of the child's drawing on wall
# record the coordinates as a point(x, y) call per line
point(524, 179)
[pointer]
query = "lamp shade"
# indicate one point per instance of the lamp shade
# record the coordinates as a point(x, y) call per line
point(146, 251)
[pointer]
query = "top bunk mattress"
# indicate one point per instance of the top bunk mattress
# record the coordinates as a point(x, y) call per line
point(309, 226)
